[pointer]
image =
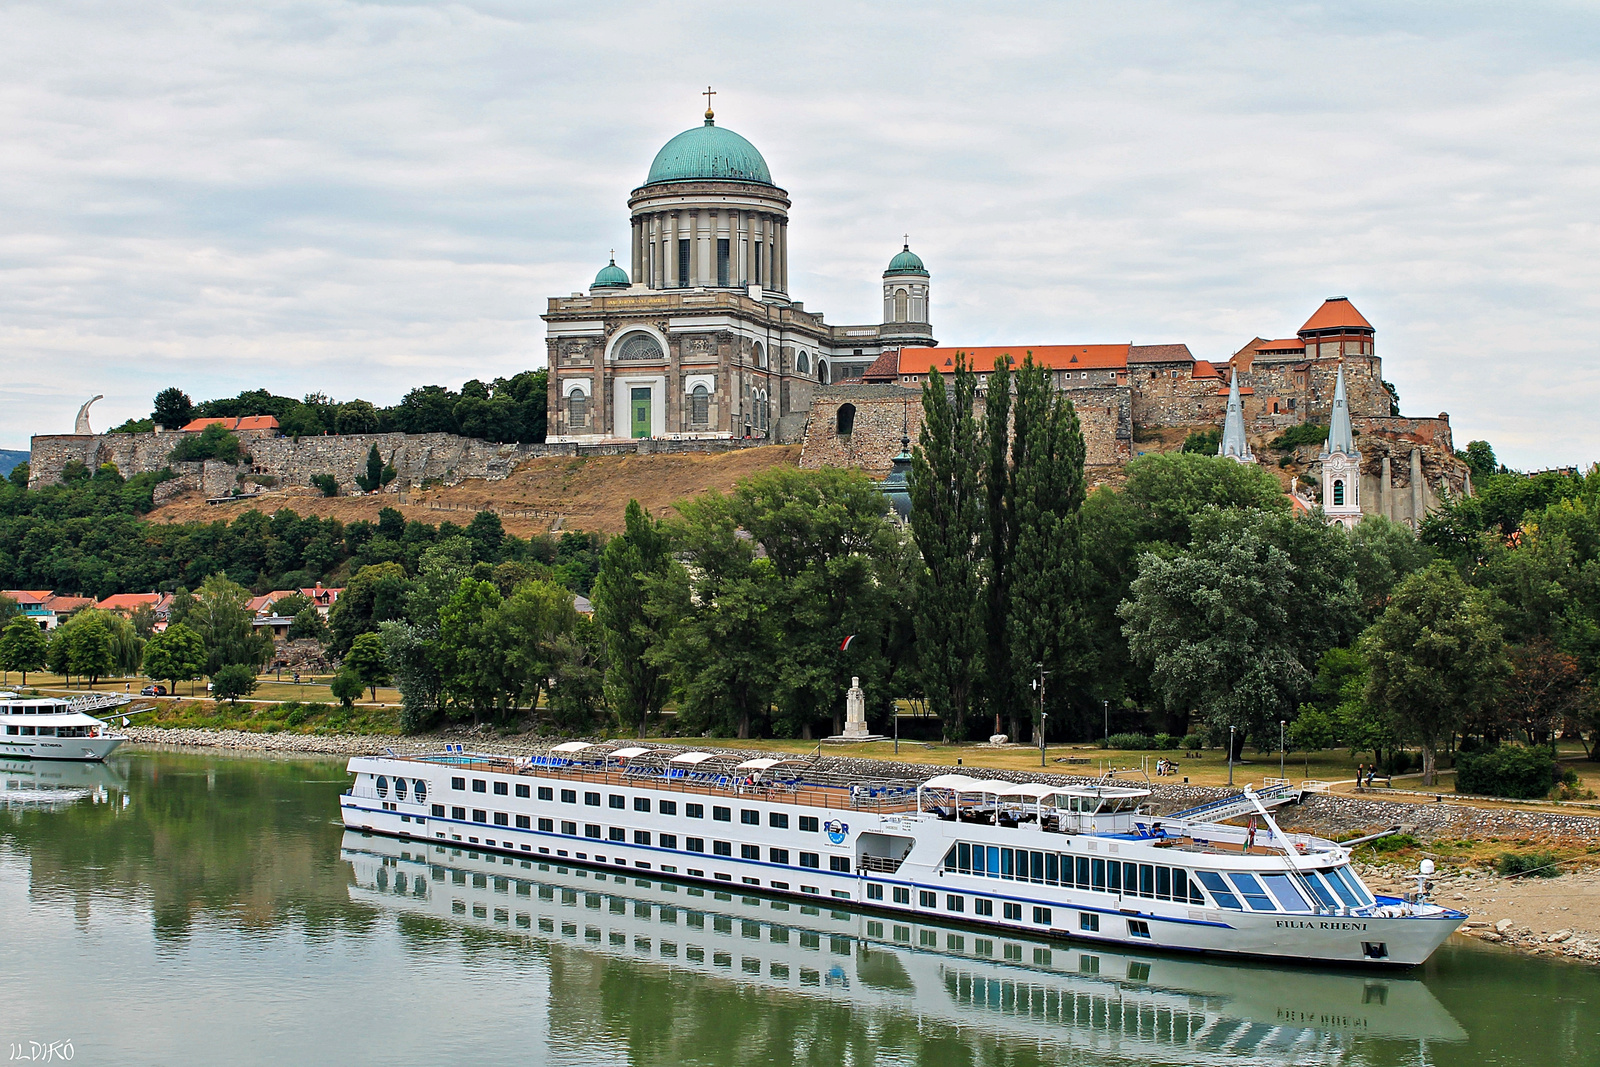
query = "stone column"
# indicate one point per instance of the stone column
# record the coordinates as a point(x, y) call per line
point(671, 264)
point(1386, 491)
point(1416, 489)
point(782, 268)
point(634, 253)
point(749, 256)
point(706, 274)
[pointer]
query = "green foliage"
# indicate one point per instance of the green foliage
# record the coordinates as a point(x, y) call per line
point(1391, 843)
point(222, 618)
point(213, 442)
point(1169, 489)
point(175, 653)
point(1306, 433)
point(368, 661)
point(135, 426)
point(346, 687)
point(1506, 771)
point(378, 473)
point(327, 483)
point(23, 646)
point(1203, 442)
point(1382, 553)
point(1133, 742)
point(1480, 459)
point(1435, 659)
point(1313, 730)
point(173, 409)
point(232, 682)
point(358, 416)
point(1538, 864)
point(308, 623)
point(635, 686)
point(948, 507)
point(376, 593)
point(18, 477)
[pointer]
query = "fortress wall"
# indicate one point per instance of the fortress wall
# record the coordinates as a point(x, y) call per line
point(442, 457)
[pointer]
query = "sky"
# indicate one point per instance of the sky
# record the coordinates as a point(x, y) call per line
point(356, 199)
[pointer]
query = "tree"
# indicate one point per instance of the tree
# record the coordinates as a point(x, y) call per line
point(173, 408)
point(379, 473)
point(89, 650)
point(1232, 626)
point(222, 618)
point(1546, 689)
point(412, 655)
point(636, 683)
point(1480, 459)
point(472, 667)
point(232, 682)
point(346, 687)
point(23, 646)
point(8, 609)
point(308, 623)
point(368, 661)
point(1045, 624)
point(174, 653)
point(1435, 659)
point(327, 483)
point(376, 593)
point(19, 475)
point(578, 693)
point(1170, 488)
point(358, 416)
point(1383, 552)
point(947, 519)
point(1000, 528)
point(213, 442)
point(533, 619)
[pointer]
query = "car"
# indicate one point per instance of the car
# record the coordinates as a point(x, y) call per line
point(153, 691)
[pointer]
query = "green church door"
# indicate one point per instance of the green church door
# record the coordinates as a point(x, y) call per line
point(641, 413)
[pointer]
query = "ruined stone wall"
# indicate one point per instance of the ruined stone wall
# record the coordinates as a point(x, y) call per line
point(884, 411)
point(1408, 466)
point(440, 457)
point(1165, 400)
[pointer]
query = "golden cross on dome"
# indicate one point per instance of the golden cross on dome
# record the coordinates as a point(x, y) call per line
point(708, 94)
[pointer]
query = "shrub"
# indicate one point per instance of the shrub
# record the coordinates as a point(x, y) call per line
point(1167, 742)
point(1204, 442)
point(346, 687)
point(1131, 741)
point(1392, 843)
point(213, 442)
point(327, 483)
point(1538, 864)
point(1399, 761)
point(1506, 771)
point(232, 682)
point(1307, 433)
point(1194, 742)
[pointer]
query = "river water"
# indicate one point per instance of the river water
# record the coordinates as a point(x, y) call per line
point(182, 908)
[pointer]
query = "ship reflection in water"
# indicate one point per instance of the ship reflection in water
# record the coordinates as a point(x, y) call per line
point(57, 783)
point(1072, 996)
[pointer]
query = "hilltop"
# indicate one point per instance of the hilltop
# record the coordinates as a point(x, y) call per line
point(585, 493)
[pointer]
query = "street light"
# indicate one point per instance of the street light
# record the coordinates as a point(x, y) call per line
point(1107, 705)
point(1039, 685)
point(1230, 757)
point(1282, 752)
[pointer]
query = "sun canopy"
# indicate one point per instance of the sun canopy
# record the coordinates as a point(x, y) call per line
point(629, 753)
point(572, 746)
point(1036, 790)
point(693, 757)
point(958, 782)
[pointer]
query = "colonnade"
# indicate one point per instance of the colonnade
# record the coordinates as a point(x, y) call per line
point(758, 248)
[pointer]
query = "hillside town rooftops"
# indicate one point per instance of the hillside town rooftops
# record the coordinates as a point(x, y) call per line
point(981, 360)
point(128, 603)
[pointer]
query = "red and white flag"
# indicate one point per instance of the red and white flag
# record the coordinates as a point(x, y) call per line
point(844, 646)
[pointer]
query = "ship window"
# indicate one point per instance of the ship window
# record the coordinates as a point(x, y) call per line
point(1147, 880)
point(875, 892)
point(1284, 891)
point(479, 815)
point(383, 786)
point(546, 793)
point(1113, 876)
point(781, 855)
point(501, 819)
point(1163, 883)
point(617, 833)
point(421, 790)
point(1013, 912)
point(810, 859)
point(1138, 928)
point(616, 801)
point(669, 841)
point(479, 785)
point(523, 823)
point(953, 902)
point(500, 789)
point(809, 823)
point(641, 803)
point(722, 848)
point(641, 837)
point(694, 811)
point(569, 796)
point(1041, 916)
point(458, 783)
point(1345, 886)
point(750, 852)
point(458, 814)
point(840, 864)
point(522, 790)
point(1252, 892)
point(779, 820)
point(694, 844)
point(667, 807)
point(546, 825)
point(749, 818)
point(399, 788)
point(722, 814)
point(1089, 922)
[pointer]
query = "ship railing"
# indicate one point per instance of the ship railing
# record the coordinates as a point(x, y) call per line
point(879, 864)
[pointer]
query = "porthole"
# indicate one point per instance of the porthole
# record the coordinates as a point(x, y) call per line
point(420, 788)
point(383, 786)
point(399, 788)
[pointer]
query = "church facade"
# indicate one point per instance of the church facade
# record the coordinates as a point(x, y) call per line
point(700, 337)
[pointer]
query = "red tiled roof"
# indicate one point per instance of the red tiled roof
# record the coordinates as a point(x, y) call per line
point(1287, 344)
point(982, 360)
point(245, 422)
point(1204, 368)
point(28, 596)
point(1244, 390)
point(886, 368)
point(68, 603)
point(1159, 354)
point(1336, 311)
point(128, 601)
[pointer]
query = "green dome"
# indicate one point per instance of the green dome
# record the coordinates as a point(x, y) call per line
point(611, 277)
point(905, 262)
point(708, 151)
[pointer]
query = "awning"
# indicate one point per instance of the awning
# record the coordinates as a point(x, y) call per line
point(692, 757)
point(572, 746)
point(629, 753)
point(958, 782)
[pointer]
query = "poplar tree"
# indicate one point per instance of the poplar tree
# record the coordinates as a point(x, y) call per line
point(635, 684)
point(1000, 535)
point(1045, 625)
point(947, 516)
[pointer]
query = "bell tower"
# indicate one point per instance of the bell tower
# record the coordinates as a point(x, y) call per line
point(1341, 463)
point(906, 299)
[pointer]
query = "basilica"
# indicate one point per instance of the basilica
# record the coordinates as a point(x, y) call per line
point(699, 337)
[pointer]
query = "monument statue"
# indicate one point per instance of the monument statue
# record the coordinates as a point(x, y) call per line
point(855, 716)
point(83, 415)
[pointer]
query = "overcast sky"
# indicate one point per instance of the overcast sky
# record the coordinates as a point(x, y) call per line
point(356, 199)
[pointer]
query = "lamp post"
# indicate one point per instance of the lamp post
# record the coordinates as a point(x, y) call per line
point(894, 713)
point(1230, 757)
point(1282, 752)
point(1039, 685)
point(1107, 706)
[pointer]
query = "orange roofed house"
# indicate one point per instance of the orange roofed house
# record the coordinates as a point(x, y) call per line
point(1124, 392)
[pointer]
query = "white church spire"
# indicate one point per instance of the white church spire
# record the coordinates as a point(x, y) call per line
point(1340, 436)
point(1234, 445)
point(1341, 463)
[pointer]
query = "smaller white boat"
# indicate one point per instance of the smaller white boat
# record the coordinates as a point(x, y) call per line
point(58, 728)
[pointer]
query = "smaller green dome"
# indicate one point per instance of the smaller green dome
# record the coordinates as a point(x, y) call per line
point(611, 276)
point(905, 262)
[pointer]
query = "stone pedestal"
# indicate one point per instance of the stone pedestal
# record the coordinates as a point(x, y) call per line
point(855, 717)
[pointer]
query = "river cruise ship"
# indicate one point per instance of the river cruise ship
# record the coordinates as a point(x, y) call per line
point(1089, 861)
point(57, 728)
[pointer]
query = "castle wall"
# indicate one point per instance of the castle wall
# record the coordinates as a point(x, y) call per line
point(441, 457)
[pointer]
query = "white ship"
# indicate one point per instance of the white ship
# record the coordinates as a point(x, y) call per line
point(1087, 862)
point(1121, 1005)
point(58, 728)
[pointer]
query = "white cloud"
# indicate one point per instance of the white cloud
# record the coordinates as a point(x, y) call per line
point(356, 198)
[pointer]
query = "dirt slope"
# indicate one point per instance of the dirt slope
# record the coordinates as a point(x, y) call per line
point(573, 494)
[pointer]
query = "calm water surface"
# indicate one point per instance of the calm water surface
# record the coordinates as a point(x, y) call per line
point(173, 908)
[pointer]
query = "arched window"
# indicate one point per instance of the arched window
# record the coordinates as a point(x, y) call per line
point(399, 788)
point(802, 364)
point(759, 355)
point(577, 410)
point(699, 406)
point(383, 786)
point(822, 371)
point(638, 346)
point(844, 421)
point(421, 789)
point(1338, 493)
point(899, 305)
